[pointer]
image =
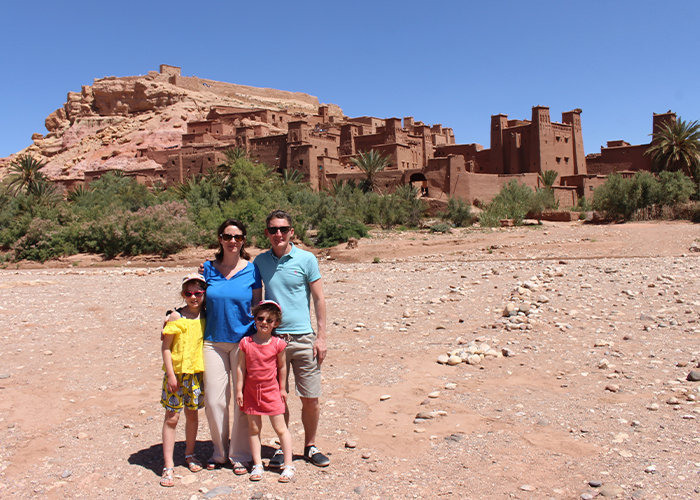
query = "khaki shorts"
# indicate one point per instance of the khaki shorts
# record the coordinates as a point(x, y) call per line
point(307, 373)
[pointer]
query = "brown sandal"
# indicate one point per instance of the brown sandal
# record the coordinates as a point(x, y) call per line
point(166, 480)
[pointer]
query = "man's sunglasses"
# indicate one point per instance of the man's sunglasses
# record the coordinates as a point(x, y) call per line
point(229, 237)
point(196, 293)
point(281, 229)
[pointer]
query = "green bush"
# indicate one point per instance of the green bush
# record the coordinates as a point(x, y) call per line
point(334, 231)
point(675, 187)
point(458, 213)
point(43, 240)
point(642, 196)
point(513, 201)
point(440, 228)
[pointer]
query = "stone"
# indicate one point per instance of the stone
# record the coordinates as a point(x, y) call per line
point(650, 469)
point(527, 487)
point(366, 455)
point(454, 360)
point(218, 491)
point(508, 353)
point(610, 490)
point(434, 394)
point(384, 397)
point(612, 387)
point(450, 386)
point(425, 415)
point(66, 473)
point(693, 376)
point(595, 483)
point(510, 309)
point(4, 375)
point(443, 359)
point(474, 359)
point(351, 443)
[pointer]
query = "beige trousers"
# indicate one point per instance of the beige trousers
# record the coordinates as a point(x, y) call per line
point(230, 442)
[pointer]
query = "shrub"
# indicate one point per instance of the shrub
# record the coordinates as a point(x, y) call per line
point(513, 201)
point(611, 198)
point(440, 228)
point(675, 187)
point(42, 241)
point(334, 231)
point(162, 229)
point(458, 213)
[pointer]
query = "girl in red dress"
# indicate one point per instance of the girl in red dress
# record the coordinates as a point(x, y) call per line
point(262, 371)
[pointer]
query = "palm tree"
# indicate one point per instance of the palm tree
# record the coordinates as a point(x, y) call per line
point(547, 178)
point(371, 162)
point(676, 146)
point(292, 176)
point(25, 175)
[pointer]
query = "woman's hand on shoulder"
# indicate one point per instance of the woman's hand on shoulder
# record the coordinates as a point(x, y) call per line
point(200, 269)
point(174, 316)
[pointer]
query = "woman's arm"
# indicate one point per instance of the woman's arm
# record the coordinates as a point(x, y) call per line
point(257, 296)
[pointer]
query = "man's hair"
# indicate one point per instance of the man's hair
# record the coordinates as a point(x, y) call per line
point(278, 214)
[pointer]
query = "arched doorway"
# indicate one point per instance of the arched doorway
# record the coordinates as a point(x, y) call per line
point(421, 182)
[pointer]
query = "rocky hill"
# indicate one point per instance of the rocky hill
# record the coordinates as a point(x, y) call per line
point(103, 125)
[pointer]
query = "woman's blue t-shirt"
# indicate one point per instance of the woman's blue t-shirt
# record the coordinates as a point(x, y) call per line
point(229, 317)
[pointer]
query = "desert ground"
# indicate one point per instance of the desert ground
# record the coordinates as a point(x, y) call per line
point(582, 392)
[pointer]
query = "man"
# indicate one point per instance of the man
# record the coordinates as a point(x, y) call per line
point(291, 276)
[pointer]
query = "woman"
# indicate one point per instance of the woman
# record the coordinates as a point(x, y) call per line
point(233, 285)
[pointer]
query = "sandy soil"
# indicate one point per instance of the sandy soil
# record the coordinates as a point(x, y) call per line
point(593, 389)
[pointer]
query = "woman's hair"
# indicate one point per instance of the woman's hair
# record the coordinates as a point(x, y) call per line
point(270, 308)
point(231, 222)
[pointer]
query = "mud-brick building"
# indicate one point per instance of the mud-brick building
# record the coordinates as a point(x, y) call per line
point(527, 146)
point(319, 146)
point(620, 156)
point(519, 149)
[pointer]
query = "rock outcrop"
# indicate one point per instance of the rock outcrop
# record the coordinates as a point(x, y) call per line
point(106, 124)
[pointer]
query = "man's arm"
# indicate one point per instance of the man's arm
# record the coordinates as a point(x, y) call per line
point(319, 299)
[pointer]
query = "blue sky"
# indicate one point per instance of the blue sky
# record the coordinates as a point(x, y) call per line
point(451, 62)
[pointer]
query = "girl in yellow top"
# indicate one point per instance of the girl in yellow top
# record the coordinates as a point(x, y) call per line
point(183, 364)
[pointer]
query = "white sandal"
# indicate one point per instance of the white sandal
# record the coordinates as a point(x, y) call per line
point(287, 474)
point(256, 473)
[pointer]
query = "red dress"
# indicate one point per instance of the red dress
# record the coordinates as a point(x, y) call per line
point(261, 390)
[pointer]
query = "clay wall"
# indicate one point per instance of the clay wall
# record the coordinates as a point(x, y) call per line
point(166, 69)
point(189, 162)
point(369, 121)
point(448, 177)
point(271, 150)
point(613, 159)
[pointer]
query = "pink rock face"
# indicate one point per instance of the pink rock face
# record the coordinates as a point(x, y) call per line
point(107, 124)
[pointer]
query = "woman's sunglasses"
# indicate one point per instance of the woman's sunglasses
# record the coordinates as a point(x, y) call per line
point(229, 237)
point(196, 293)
